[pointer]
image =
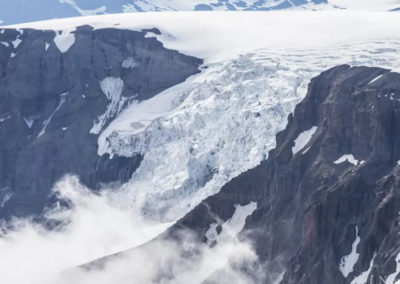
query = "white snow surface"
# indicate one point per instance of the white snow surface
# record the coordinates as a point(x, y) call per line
point(303, 139)
point(208, 34)
point(347, 157)
point(348, 261)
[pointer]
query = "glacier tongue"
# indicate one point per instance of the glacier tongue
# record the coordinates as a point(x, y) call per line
point(200, 134)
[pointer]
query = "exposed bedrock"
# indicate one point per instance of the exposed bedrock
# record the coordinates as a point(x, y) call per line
point(58, 90)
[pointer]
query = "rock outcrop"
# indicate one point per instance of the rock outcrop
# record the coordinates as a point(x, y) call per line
point(58, 90)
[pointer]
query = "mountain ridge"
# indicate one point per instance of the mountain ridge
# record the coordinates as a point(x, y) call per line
point(320, 216)
point(20, 11)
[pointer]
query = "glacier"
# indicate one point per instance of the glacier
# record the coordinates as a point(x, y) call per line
point(202, 133)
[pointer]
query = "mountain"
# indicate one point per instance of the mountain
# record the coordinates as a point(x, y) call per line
point(109, 72)
point(21, 11)
point(81, 82)
point(114, 128)
point(323, 208)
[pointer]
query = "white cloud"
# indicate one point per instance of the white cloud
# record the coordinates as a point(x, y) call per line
point(95, 228)
point(170, 262)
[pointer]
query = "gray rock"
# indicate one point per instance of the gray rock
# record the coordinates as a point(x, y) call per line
point(49, 101)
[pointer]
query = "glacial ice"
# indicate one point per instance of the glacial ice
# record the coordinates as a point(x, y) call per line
point(198, 135)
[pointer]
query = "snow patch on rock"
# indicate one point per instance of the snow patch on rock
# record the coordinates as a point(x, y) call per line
point(303, 139)
point(347, 157)
point(212, 234)
point(375, 79)
point(16, 43)
point(112, 87)
point(236, 223)
point(348, 261)
point(48, 120)
point(64, 40)
point(231, 227)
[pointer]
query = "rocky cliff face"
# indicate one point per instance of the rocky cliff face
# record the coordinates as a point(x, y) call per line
point(58, 91)
point(327, 196)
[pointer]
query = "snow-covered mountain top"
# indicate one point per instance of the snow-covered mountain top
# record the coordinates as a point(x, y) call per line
point(371, 5)
point(219, 35)
point(22, 11)
point(358, 5)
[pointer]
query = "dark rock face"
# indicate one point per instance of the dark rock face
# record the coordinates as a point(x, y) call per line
point(52, 95)
point(314, 206)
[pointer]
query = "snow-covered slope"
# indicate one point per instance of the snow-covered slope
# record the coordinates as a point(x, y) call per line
point(20, 11)
point(215, 36)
